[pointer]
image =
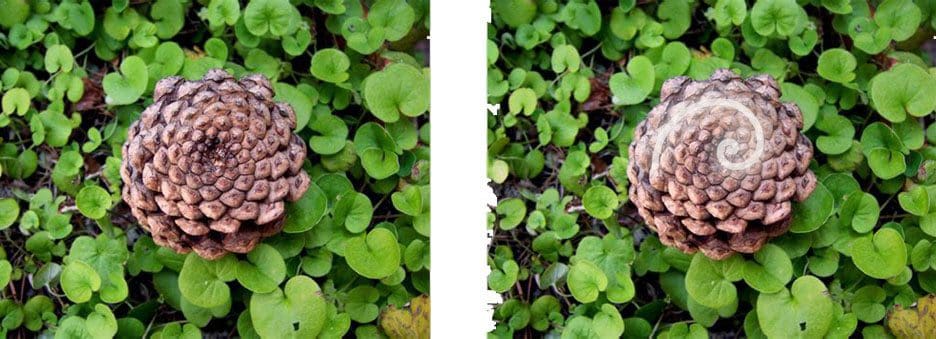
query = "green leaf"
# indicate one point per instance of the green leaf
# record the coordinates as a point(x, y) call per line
point(222, 12)
point(331, 6)
point(399, 89)
point(354, 210)
point(59, 57)
point(810, 214)
point(374, 255)
point(118, 24)
point(393, 17)
point(884, 150)
point(841, 133)
point(804, 311)
point(127, 86)
point(770, 270)
point(169, 16)
point(565, 58)
point(77, 17)
point(504, 277)
point(410, 200)
point(867, 304)
point(107, 256)
point(306, 212)
point(204, 283)
point(837, 65)
point(297, 43)
point(511, 212)
point(16, 100)
point(586, 281)
point(585, 17)
point(730, 12)
point(79, 281)
point(900, 18)
point(330, 65)
point(783, 17)
point(861, 210)
point(360, 304)
point(916, 201)
point(93, 201)
point(902, 90)
point(276, 17)
point(634, 86)
point(882, 255)
point(676, 16)
point(514, 12)
point(522, 100)
point(600, 201)
point(297, 311)
point(710, 282)
point(263, 271)
point(378, 152)
point(9, 212)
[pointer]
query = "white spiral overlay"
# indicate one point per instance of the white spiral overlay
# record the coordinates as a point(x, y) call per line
point(725, 147)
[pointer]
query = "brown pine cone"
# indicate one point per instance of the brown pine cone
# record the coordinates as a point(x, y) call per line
point(716, 163)
point(209, 164)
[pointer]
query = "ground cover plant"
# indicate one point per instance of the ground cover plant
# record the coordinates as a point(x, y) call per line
point(353, 256)
point(573, 79)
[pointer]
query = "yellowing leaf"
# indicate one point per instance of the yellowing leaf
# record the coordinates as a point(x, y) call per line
point(409, 322)
point(914, 322)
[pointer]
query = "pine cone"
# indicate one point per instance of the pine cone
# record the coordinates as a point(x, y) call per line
point(208, 165)
point(715, 164)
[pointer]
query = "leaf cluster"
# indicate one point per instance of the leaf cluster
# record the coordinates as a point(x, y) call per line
point(77, 73)
point(573, 78)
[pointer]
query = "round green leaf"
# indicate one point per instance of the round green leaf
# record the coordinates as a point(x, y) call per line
point(810, 214)
point(79, 281)
point(861, 210)
point(783, 17)
point(511, 212)
point(93, 201)
point(522, 100)
point(263, 271)
point(770, 270)
point(297, 311)
point(634, 86)
point(306, 212)
point(837, 65)
point(354, 210)
point(902, 90)
point(710, 282)
point(9, 212)
point(330, 65)
point(374, 255)
point(804, 311)
point(204, 283)
point(565, 57)
point(881, 255)
point(600, 201)
point(127, 86)
point(586, 281)
point(16, 100)
point(397, 89)
point(59, 57)
point(378, 152)
point(916, 201)
point(277, 17)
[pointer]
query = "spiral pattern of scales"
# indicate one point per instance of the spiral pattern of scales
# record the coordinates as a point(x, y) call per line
point(716, 164)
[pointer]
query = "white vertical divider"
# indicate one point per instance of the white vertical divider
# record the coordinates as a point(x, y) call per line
point(460, 300)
